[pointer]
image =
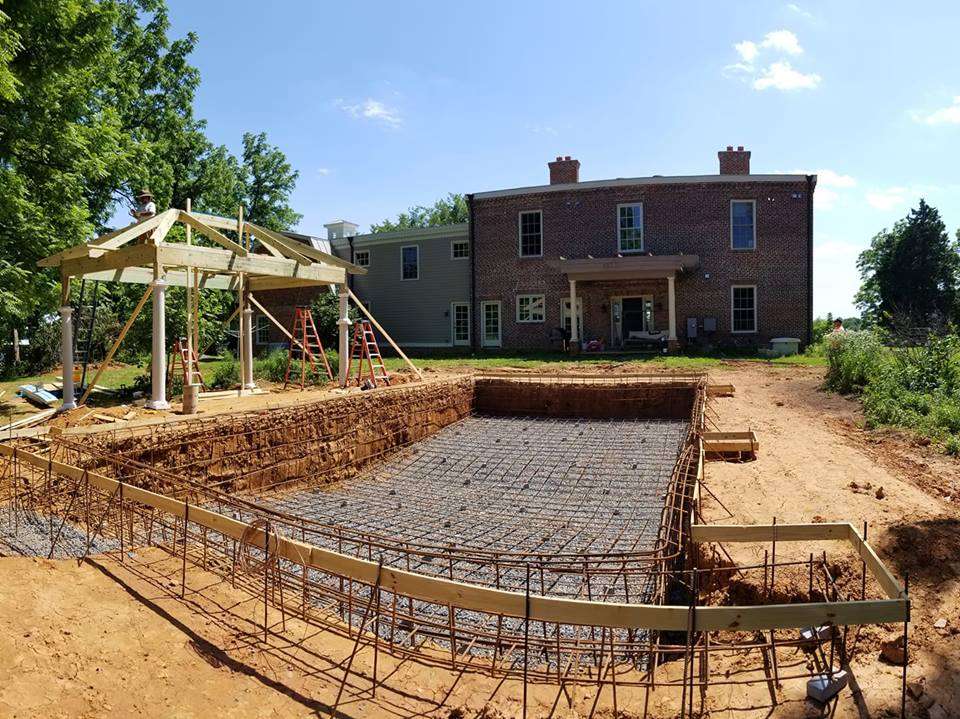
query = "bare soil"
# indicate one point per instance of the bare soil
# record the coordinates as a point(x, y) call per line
point(109, 639)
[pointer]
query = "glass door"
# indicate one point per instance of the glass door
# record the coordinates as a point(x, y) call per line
point(491, 323)
point(460, 320)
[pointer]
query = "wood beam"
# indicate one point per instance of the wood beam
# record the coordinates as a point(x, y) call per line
point(212, 259)
point(143, 276)
point(305, 249)
point(212, 234)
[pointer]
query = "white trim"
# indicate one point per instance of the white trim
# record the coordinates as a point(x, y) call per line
point(543, 309)
point(564, 301)
point(454, 342)
point(630, 181)
point(418, 234)
point(744, 249)
point(483, 324)
point(520, 215)
point(459, 241)
point(356, 257)
point(638, 203)
point(616, 325)
point(409, 279)
point(755, 302)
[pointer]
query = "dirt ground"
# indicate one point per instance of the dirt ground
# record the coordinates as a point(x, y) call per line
point(109, 639)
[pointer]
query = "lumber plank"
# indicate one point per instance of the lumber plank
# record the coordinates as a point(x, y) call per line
point(177, 278)
point(304, 249)
point(212, 234)
point(887, 581)
point(745, 441)
point(212, 259)
point(825, 531)
point(720, 390)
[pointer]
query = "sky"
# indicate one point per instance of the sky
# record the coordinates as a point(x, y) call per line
point(384, 105)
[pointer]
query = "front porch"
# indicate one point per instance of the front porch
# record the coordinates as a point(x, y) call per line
point(623, 302)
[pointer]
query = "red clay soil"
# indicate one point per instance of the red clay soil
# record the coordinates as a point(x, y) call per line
point(109, 640)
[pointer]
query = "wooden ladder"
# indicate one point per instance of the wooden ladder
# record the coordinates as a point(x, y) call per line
point(305, 342)
point(188, 366)
point(365, 348)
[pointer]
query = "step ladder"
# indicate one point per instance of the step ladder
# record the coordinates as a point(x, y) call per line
point(365, 349)
point(305, 346)
point(84, 318)
point(184, 363)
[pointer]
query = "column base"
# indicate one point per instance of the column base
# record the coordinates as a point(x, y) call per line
point(67, 406)
point(673, 345)
point(157, 404)
point(250, 385)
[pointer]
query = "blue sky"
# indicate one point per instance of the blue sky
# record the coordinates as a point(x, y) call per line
point(383, 105)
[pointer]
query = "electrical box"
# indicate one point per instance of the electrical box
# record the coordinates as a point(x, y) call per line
point(691, 328)
point(709, 324)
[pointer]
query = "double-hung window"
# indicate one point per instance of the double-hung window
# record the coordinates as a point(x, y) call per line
point(743, 308)
point(262, 330)
point(530, 308)
point(410, 262)
point(531, 233)
point(630, 227)
point(743, 224)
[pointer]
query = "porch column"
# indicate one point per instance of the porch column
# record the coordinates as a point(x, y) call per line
point(344, 326)
point(574, 334)
point(672, 307)
point(158, 374)
point(247, 325)
point(66, 357)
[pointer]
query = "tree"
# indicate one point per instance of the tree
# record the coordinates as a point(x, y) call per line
point(266, 180)
point(449, 210)
point(911, 272)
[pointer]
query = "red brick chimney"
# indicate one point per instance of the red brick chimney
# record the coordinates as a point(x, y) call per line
point(563, 170)
point(734, 162)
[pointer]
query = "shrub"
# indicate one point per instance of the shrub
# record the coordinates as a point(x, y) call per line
point(273, 367)
point(854, 358)
point(226, 374)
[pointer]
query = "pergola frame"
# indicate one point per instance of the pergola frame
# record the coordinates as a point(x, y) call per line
point(260, 259)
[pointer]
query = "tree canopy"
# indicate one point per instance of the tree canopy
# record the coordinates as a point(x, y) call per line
point(97, 102)
point(449, 210)
point(911, 274)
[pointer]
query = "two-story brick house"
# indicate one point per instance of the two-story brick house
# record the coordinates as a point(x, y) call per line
point(727, 257)
point(724, 259)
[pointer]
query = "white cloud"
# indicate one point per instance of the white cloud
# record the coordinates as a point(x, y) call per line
point(800, 11)
point(831, 178)
point(544, 130)
point(782, 76)
point(782, 40)
point(829, 183)
point(824, 198)
point(371, 109)
point(747, 50)
point(323, 171)
point(888, 198)
point(943, 116)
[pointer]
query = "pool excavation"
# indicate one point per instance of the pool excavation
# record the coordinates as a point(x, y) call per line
point(541, 528)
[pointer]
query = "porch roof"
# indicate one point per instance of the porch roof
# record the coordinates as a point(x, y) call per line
point(629, 267)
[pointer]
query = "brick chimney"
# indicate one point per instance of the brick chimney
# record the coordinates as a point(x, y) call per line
point(563, 170)
point(734, 162)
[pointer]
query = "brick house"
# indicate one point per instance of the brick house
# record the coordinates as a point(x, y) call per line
point(722, 259)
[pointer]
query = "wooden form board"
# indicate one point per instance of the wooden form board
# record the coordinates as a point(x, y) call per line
point(720, 390)
point(731, 441)
point(487, 599)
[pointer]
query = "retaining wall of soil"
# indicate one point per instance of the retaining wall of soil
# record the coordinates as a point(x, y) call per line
point(327, 440)
point(667, 400)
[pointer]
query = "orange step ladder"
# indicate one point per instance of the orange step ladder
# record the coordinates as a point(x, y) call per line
point(305, 346)
point(365, 349)
point(188, 366)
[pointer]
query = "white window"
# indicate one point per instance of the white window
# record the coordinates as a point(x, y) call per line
point(530, 308)
point(491, 323)
point(361, 258)
point(630, 227)
point(460, 322)
point(410, 262)
point(262, 330)
point(743, 308)
point(459, 250)
point(743, 225)
point(531, 233)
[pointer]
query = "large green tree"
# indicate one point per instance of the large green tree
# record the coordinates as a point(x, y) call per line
point(449, 210)
point(266, 181)
point(911, 274)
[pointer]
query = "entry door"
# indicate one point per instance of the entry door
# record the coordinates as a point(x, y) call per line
point(565, 315)
point(490, 313)
point(460, 323)
point(637, 315)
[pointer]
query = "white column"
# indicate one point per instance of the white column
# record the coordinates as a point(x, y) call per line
point(344, 325)
point(672, 306)
point(248, 382)
point(574, 334)
point(158, 373)
point(66, 357)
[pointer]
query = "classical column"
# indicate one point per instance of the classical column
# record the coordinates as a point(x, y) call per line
point(574, 333)
point(158, 373)
point(248, 382)
point(672, 307)
point(66, 357)
point(344, 324)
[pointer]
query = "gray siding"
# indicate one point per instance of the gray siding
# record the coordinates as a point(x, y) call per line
point(414, 312)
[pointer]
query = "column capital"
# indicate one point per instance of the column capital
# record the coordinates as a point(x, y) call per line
point(160, 284)
point(66, 311)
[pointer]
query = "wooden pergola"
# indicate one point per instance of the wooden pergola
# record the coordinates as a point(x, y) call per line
point(259, 259)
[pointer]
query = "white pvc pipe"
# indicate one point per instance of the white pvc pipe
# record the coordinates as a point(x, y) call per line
point(158, 373)
point(66, 357)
